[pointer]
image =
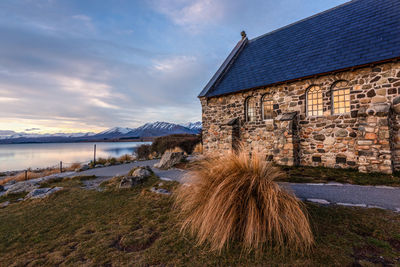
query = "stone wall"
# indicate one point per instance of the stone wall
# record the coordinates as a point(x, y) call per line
point(367, 138)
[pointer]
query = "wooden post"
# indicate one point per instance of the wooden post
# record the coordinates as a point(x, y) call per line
point(26, 175)
point(94, 157)
point(60, 166)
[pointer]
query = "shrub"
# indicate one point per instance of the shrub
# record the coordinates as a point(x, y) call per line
point(126, 157)
point(198, 148)
point(143, 151)
point(186, 142)
point(235, 198)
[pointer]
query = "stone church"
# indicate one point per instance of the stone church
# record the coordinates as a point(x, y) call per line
point(323, 91)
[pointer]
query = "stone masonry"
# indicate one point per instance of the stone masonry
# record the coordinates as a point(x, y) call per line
point(366, 138)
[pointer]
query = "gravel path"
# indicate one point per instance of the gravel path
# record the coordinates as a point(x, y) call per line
point(331, 193)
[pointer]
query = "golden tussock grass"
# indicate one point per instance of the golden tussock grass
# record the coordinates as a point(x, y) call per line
point(37, 173)
point(235, 198)
point(126, 157)
point(30, 175)
point(198, 148)
point(175, 149)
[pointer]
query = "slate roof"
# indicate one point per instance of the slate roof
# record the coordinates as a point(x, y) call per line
point(353, 34)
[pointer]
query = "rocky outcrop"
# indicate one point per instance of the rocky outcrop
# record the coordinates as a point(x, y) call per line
point(170, 159)
point(21, 187)
point(83, 168)
point(137, 176)
point(42, 192)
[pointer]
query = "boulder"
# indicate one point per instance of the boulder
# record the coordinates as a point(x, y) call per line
point(1, 188)
point(169, 159)
point(4, 204)
point(83, 168)
point(42, 192)
point(142, 172)
point(137, 176)
point(160, 191)
point(21, 187)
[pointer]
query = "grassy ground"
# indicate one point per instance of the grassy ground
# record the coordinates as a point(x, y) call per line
point(305, 174)
point(302, 174)
point(137, 227)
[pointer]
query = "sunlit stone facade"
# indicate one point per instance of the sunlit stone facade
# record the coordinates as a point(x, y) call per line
point(353, 120)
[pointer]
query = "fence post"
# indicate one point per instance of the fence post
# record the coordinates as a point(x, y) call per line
point(94, 156)
point(60, 166)
point(26, 175)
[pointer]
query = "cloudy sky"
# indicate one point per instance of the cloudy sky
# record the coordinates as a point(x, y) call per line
point(87, 65)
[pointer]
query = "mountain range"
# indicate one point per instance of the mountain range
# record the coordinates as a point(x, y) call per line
point(146, 131)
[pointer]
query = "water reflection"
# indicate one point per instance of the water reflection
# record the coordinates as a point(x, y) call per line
point(23, 156)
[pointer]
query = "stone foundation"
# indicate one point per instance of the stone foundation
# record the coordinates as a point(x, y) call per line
point(367, 138)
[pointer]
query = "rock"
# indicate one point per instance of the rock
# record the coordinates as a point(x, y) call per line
point(99, 166)
point(160, 191)
point(21, 187)
point(4, 204)
point(319, 137)
point(1, 188)
point(169, 159)
point(142, 172)
point(11, 182)
point(42, 192)
point(138, 176)
point(341, 133)
point(107, 164)
point(83, 168)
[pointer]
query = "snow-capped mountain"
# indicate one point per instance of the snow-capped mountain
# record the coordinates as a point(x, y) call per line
point(117, 130)
point(147, 130)
point(193, 125)
point(159, 129)
point(14, 135)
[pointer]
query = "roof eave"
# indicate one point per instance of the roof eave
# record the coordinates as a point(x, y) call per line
point(224, 67)
point(394, 59)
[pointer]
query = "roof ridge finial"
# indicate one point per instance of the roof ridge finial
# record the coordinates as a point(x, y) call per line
point(243, 34)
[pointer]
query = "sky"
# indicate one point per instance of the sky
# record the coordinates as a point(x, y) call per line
point(88, 65)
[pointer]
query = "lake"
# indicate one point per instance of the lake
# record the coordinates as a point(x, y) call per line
point(23, 156)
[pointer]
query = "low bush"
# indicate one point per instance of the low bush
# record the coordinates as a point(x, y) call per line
point(143, 151)
point(235, 198)
point(186, 142)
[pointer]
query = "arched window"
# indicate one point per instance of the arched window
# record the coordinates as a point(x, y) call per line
point(314, 101)
point(250, 106)
point(340, 97)
point(267, 107)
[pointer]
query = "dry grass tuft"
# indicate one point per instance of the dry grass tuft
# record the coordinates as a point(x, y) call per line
point(198, 148)
point(176, 149)
point(74, 166)
point(30, 175)
point(235, 198)
point(126, 157)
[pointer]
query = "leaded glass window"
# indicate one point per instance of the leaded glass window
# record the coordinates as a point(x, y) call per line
point(314, 101)
point(267, 107)
point(250, 109)
point(341, 97)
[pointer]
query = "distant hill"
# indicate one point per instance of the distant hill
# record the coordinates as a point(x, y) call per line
point(146, 131)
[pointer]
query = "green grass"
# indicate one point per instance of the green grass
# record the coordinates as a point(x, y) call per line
point(136, 227)
point(303, 174)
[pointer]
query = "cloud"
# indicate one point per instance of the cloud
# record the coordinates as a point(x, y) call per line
point(193, 15)
point(32, 129)
point(82, 18)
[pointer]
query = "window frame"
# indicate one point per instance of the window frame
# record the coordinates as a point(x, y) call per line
point(307, 100)
point(339, 89)
point(246, 109)
point(270, 99)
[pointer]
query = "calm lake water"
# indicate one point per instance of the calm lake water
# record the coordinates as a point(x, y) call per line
point(23, 156)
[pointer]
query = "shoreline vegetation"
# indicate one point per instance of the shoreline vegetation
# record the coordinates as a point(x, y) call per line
point(19, 176)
